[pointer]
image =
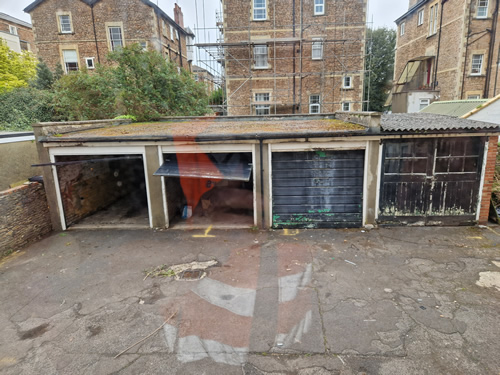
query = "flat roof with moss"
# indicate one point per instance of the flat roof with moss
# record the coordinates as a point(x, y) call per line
point(212, 129)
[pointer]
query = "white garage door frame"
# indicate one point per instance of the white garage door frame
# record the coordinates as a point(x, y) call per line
point(99, 150)
point(210, 149)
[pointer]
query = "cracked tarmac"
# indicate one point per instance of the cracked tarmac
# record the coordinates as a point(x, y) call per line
point(385, 301)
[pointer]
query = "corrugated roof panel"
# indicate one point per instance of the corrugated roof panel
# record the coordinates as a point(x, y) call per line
point(410, 122)
point(455, 108)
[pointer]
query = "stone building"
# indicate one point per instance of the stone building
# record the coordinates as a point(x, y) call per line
point(203, 75)
point(81, 33)
point(293, 56)
point(16, 33)
point(446, 50)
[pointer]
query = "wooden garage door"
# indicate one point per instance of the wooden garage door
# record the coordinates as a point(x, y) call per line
point(431, 181)
point(317, 189)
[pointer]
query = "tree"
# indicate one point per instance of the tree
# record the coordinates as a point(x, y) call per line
point(141, 84)
point(380, 65)
point(150, 86)
point(44, 77)
point(16, 69)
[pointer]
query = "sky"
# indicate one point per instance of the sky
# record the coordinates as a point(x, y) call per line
point(383, 12)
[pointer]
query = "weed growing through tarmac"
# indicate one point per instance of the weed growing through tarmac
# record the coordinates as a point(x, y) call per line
point(160, 271)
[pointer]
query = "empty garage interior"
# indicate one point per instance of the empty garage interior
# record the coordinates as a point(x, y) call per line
point(103, 190)
point(214, 189)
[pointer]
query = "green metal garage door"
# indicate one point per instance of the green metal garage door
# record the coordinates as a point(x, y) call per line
point(317, 189)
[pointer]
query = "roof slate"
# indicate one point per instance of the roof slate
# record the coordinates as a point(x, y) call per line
point(455, 108)
point(15, 20)
point(411, 122)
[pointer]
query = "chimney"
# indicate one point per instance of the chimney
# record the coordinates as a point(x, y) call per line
point(412, 3)
point(178, 16)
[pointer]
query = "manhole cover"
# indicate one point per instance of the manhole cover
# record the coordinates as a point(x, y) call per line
point(192, 274)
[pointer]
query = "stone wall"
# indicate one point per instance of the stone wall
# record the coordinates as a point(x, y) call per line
point(24, 216)
point(290, 64)
point(454, 78)
point(139, 23)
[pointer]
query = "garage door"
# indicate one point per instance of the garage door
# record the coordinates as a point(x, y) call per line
point(317, 189)
point(431, 181)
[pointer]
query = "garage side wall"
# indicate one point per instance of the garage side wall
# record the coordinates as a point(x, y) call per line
point(87, 188)
point(489, 177)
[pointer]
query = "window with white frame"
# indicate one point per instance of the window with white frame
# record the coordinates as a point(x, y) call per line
point(317, 49)
point(144, 45)
point(473, 97)
point(424, 103)
point(13, 29)
point(347, 82)
point(176, 34)
point(319, 7)
point(420, 21)
point(260, 57)
point(171, 32)
point(89, 61)
point(65, 23)
point(70, 58)
point(262, 109)
point(346, 106)
point(259, 10)
point(477, 65)
point(482, 8)
point(314, 104)
point(402, 29)
point(115, 37)
point(433, 19)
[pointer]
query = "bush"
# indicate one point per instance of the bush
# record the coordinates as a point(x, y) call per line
point(82, 96)
point(21, 107)
point(150, 87)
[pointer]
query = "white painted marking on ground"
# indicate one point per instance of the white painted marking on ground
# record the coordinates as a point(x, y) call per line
point(239, 301)
point(192, 348)
point(489, 280)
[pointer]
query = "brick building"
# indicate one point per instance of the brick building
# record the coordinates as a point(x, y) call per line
point(80, 33)
point(16, 33)
point(446, 50)
point(293, 56)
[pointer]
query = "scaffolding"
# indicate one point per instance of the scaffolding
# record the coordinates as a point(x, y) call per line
point(230, 58)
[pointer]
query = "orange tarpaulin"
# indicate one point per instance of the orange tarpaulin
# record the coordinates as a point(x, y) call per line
point(194, 188)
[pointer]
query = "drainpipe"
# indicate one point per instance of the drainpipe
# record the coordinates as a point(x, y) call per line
point(496, 74)
point(180, 46)
point(262, 200)
point(439, 45)
point(95, 34)
point(293, 58)
point(490, 52)
point(301, 47)
point(466, 52)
